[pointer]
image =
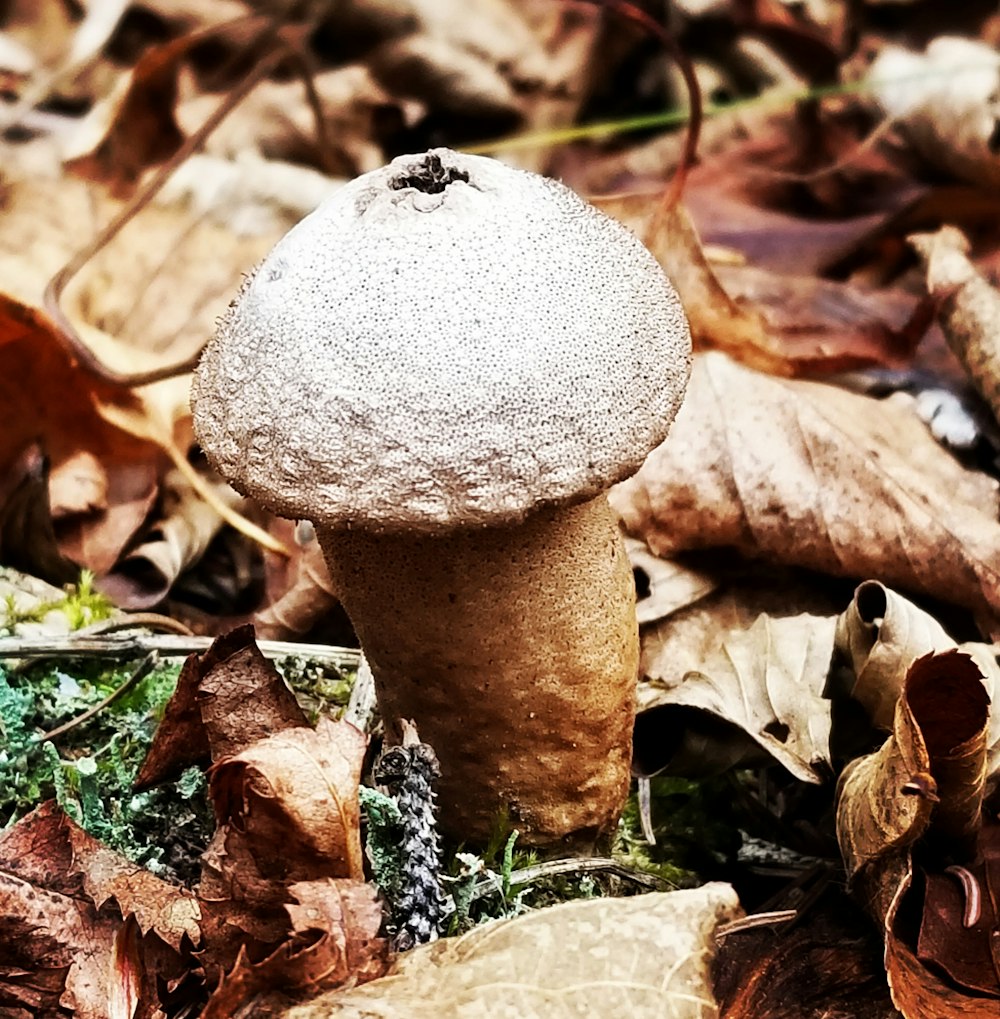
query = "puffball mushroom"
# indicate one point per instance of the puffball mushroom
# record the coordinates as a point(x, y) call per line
point(444, 367)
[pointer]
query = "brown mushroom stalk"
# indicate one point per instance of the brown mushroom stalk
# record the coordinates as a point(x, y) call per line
point(444, 367)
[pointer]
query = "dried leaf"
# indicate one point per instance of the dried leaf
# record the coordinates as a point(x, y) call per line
point(768, 680)
point(304, 603)
point(288, 812)
point(49, 401)
point(969, 307)
point(811, 475)
point(827, 963)
point(820, 327)
point(881, 634)
point(664, 586)
point(924, 784)
point(276, 122)
point(334, 940)
point(27, 536)
point(919, 993)
point(946, 102)
point(142, 128)
point(884, 800)
point(294, 797)
point(646, 956)
point(961, 913)
point(57, 929)
point(685, 741)
point(177, 539)
point(248, 701)
point(717, 321)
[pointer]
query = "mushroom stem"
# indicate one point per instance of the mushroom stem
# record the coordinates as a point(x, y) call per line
point(515, 649)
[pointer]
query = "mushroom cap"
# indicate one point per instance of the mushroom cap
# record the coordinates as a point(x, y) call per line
point(445, 342)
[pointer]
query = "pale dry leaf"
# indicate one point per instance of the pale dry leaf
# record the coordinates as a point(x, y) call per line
point(811, 475)
point(881, 634)
point(79, 485)
point(946, 102)
point(646, 957)
point(970, 308)
point(495, 30)
point(669, 586)
point(768, 680)
point(276, 121)
point(572, 37)
point(248, 196)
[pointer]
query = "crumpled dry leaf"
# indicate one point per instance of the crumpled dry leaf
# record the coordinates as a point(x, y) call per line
point(276, 122)
point(946, 102)
point(334, 939)
point(926, 784)
point(226, 698)
point(961, 913)
point(664, 586)
point(288, 811)
point(716, 320)
point(177, 539)
point(826, 964)
point(304, 603)
point(49, 402)
point(685, 741)
point(58, 929)
point(646, 956)
point(881, 634)
point(27, 535)
point(807, 474)
point(969, 307)
point(143, 130)
point(493, 32)
point(782, 324)
point(768, 680)
point(293, 797)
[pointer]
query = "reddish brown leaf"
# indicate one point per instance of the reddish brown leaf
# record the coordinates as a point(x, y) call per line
point(226, 698)
point(960, 916)
point(49, 401)
point(144, 130)
point(59, 929)
point(294, 797)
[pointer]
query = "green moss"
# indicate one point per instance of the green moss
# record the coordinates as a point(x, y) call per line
point(81, 605)
point(694, 835)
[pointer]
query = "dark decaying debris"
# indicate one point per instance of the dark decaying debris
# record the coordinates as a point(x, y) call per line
point(409, 772)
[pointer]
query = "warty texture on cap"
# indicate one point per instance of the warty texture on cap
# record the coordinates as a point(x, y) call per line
point(445, 342)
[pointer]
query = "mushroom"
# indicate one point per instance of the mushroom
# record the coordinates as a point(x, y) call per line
point(444, 367)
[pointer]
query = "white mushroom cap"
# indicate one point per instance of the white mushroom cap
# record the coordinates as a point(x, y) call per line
point(445, 342)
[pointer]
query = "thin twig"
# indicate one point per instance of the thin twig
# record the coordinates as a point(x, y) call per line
point(631, 12)
point(168, 645)
point(87, 359)
point(283, 45)
point(145, 668)
point(749, 923)
point(155, 621)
